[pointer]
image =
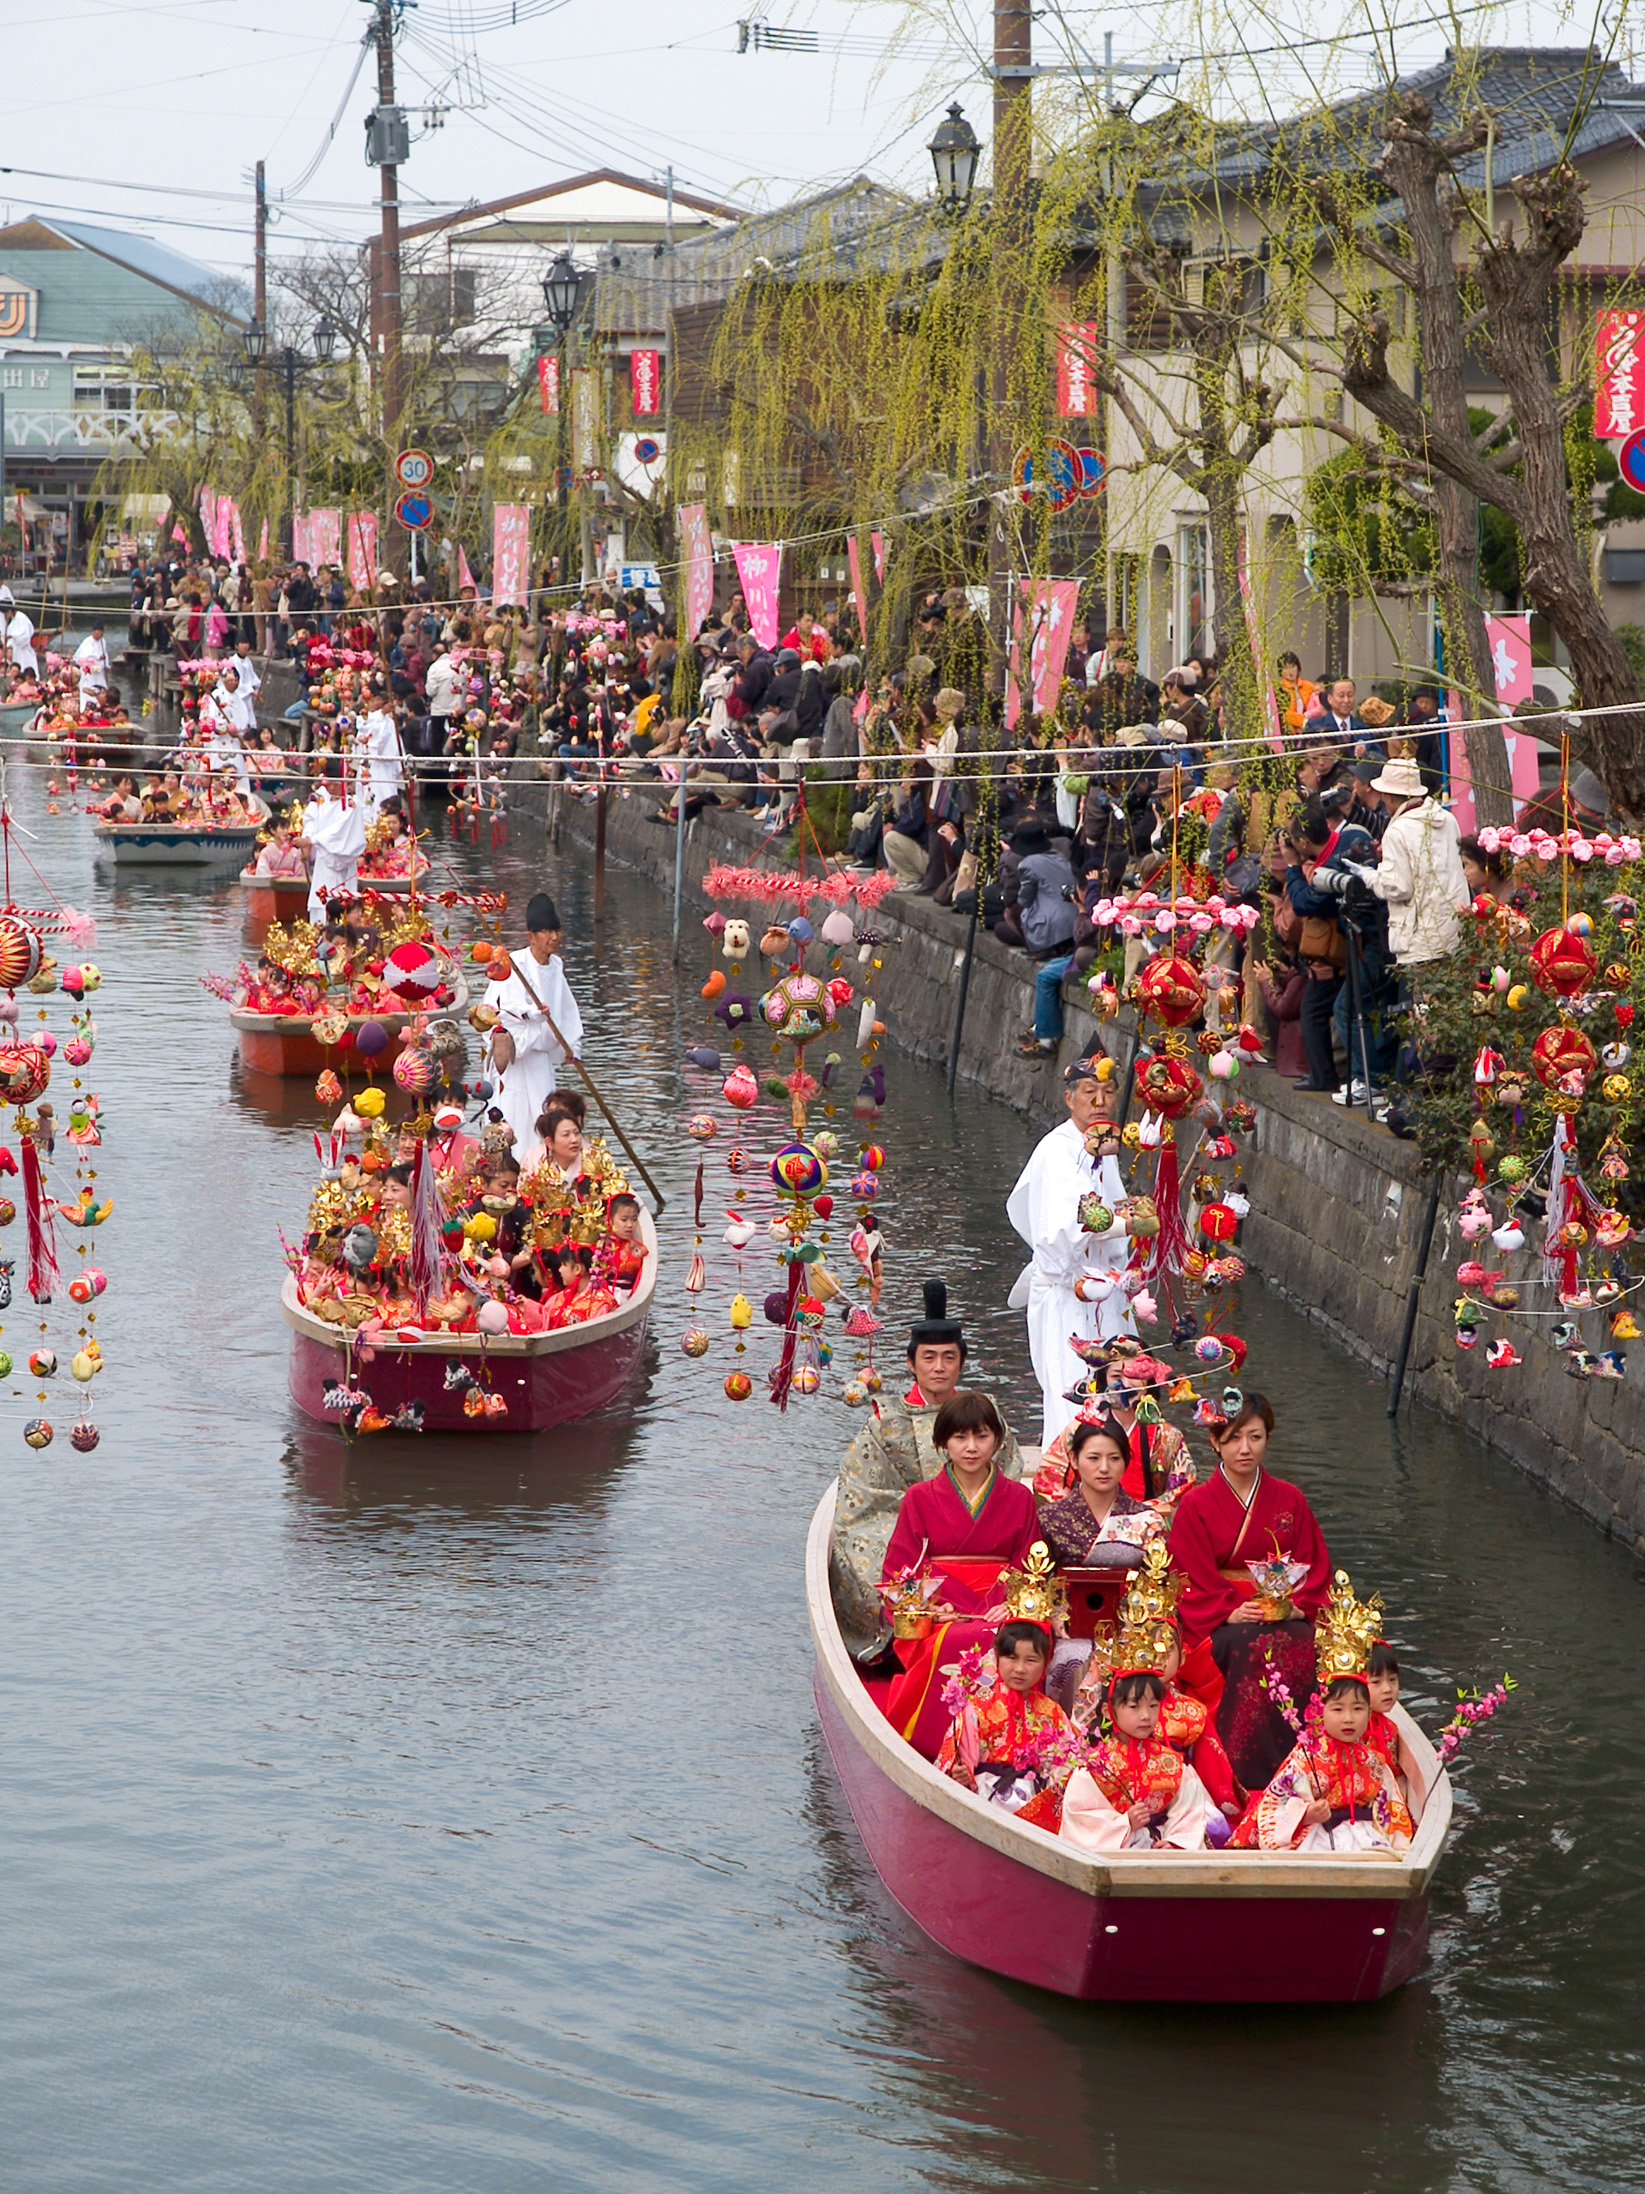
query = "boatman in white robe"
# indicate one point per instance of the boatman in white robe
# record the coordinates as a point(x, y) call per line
point(335, 830)
point(379, 758)
point(222, 719)
point(20, 643)
point(251, 684)
point(525, 1056)
point(91, 660)
point(1072, 1288)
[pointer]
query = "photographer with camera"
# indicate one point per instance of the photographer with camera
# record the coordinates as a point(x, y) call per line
point(1324, 861)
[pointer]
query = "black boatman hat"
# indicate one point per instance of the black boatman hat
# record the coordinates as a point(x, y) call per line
point(936, 1328)
point(541, 912)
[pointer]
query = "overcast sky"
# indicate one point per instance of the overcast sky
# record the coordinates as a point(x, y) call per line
point(151, 115)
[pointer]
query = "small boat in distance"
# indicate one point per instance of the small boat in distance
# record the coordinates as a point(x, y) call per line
point(286, 1043)
point(1132, 1926)
point(285, 898)
point(189, 844)
point(544, 1378)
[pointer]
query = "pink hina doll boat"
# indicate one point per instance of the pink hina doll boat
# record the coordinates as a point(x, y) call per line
point(544, 1378)
point(1163, 1926)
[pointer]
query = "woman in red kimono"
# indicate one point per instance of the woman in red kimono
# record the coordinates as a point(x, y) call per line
point(955, 1536)
point(1233, 1633)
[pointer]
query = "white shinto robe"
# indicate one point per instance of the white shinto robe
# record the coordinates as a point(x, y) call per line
point(526, 1086)
point(91, 659)
point(20, 642)
point(338, 836)
point(1044, 1209)
point(379, 758)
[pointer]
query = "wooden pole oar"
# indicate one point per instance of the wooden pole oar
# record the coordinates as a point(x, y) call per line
point(632, 1154)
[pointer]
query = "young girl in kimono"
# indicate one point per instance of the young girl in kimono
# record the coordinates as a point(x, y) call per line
point(1008, 1741)
point(622, 1253)
point(1383, 1735)
point(1333, 1793)
point(1135, 1791)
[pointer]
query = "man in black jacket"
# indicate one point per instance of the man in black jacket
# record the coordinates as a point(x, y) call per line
point(747, 696)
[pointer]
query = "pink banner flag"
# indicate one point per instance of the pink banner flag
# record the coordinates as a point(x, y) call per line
point(362, 550)
point(877, 538)
point(299, 538)
point(234, 531)
point(1510, 643)
point(1619, 384)
point(759, 568)
point(208, 518)
point(262, 544)
point(645, 382)
point(325, 537)
point(510, 553)
point(1050, 608)
point(465, 578)
point(1076, 346)
point(699, 566)
point(548, 383)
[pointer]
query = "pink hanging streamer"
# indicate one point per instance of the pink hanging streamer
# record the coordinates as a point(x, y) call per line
point(44, 1277)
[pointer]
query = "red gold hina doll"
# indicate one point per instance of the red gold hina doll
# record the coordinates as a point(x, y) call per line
point(1135, 1791)
point(1008, 1741)
point(1333, 1793)
point(955, 1536)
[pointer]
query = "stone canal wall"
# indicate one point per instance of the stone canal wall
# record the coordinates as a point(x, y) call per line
point(1337, 1205)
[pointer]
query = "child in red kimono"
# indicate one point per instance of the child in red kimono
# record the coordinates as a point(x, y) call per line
point(1333, 1793)
point(622, 1253)
point(1185, 1723)
point(1135, 1791)
point(1008, 1741)
point(1383, 1736)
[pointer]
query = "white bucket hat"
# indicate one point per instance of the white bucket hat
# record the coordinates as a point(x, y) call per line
point(1401, 780)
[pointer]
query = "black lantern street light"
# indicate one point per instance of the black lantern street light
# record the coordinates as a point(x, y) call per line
point(290, 364)
point(563, 290)
point(955, 151)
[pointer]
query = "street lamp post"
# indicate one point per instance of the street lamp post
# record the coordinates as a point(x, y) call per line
point(563, 288)
point(954, 151)
point(290, 365)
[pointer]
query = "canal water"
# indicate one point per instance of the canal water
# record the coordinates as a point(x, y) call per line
point(454, 1816)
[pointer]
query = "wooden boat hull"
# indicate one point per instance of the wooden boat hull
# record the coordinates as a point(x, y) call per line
point(547, 1379)
point(1169, 1927)
point(285, 898)
point(281, 1043)
point(178, 845)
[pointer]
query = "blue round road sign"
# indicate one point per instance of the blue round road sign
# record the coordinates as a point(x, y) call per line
point(414, 512)
point(1630, 460)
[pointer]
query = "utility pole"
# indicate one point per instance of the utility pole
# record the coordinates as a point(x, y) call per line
point(1013, 222)
point(387, 305)
point(259, 308)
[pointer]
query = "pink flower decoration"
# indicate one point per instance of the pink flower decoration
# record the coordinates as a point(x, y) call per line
point(1519, 845)
point(1165, 923)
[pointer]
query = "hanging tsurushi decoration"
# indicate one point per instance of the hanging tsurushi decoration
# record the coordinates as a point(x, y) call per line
point(812, 999)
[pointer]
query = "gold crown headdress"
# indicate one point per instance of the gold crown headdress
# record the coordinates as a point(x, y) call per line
point(1035, 1593)
point(1346, 1630)
point(1148, 1613)
point(292, 949)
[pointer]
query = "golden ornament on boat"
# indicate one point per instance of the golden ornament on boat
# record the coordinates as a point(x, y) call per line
point(1345, 1630)
point(1034, 1593)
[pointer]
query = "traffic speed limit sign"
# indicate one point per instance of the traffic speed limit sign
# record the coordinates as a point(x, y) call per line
point(414, 468)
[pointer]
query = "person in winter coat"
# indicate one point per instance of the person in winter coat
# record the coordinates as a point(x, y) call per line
point(1419, 877)
point(1039, 910)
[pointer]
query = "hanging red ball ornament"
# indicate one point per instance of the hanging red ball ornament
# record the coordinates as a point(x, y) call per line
point(1561, 1053)
point(1562, 962)
point(1171, 989)
point(25, 1073)
point(1219, 1222)
point(1168, 1086)
point(19, 953)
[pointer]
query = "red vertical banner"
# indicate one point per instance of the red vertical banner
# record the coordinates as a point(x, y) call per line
point(759, 566)
point(645, 382)
point(548, 383)
point(1076, 347)
point(1619, 389)
point(1050, 605)
point(699, 566)
point(510, 553)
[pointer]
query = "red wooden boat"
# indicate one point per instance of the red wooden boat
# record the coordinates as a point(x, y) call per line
point(285, 898)
point(285, 1043)
point(1167, 1927)
point(546, 1378)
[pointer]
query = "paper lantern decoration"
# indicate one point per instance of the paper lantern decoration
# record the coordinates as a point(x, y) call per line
point(694, 1342)
point(740, 1088)
point(371, 1040)
point(25, 1073)
point(1562, 962)
point(19, 953)
point(412, 970)
point(1557, 1054)
point(738, 1386)
point(1219, 1222)
point(1168, 1086)
point(797, 1170)
point(798, 1008)
point(1171, 989)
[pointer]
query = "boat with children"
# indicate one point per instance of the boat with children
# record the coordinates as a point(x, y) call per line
point(306, 1043)
point(206, 835)
point(285, 898)
point(1206, 1926)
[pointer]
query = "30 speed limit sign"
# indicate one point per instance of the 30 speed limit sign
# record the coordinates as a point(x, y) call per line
point(414, 468)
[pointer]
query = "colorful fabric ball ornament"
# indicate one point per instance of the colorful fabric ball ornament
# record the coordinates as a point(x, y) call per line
point(416, 1070)
point(1219, 1223)
point(738, 1386)
point(19, 953)
point(865, 1187)
point(37, 1432)
point(871, 1157)
point(371, 1039)
point(1168, 1086)
point(25, 1073)
point(1208, 1348)
point(412, 970)
point(8, 1211)
point(798, 1170)
point(806, 1379)
point(43, 1363)
point(84, 1436)
point(703, 1126)
point(694, 1342)
point(741, 1088)
point(1557, 1054)
point(1171, 989)
point(1094, 1215)
point(798, 1007)
point(5, 1365)
point(1562, 962)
